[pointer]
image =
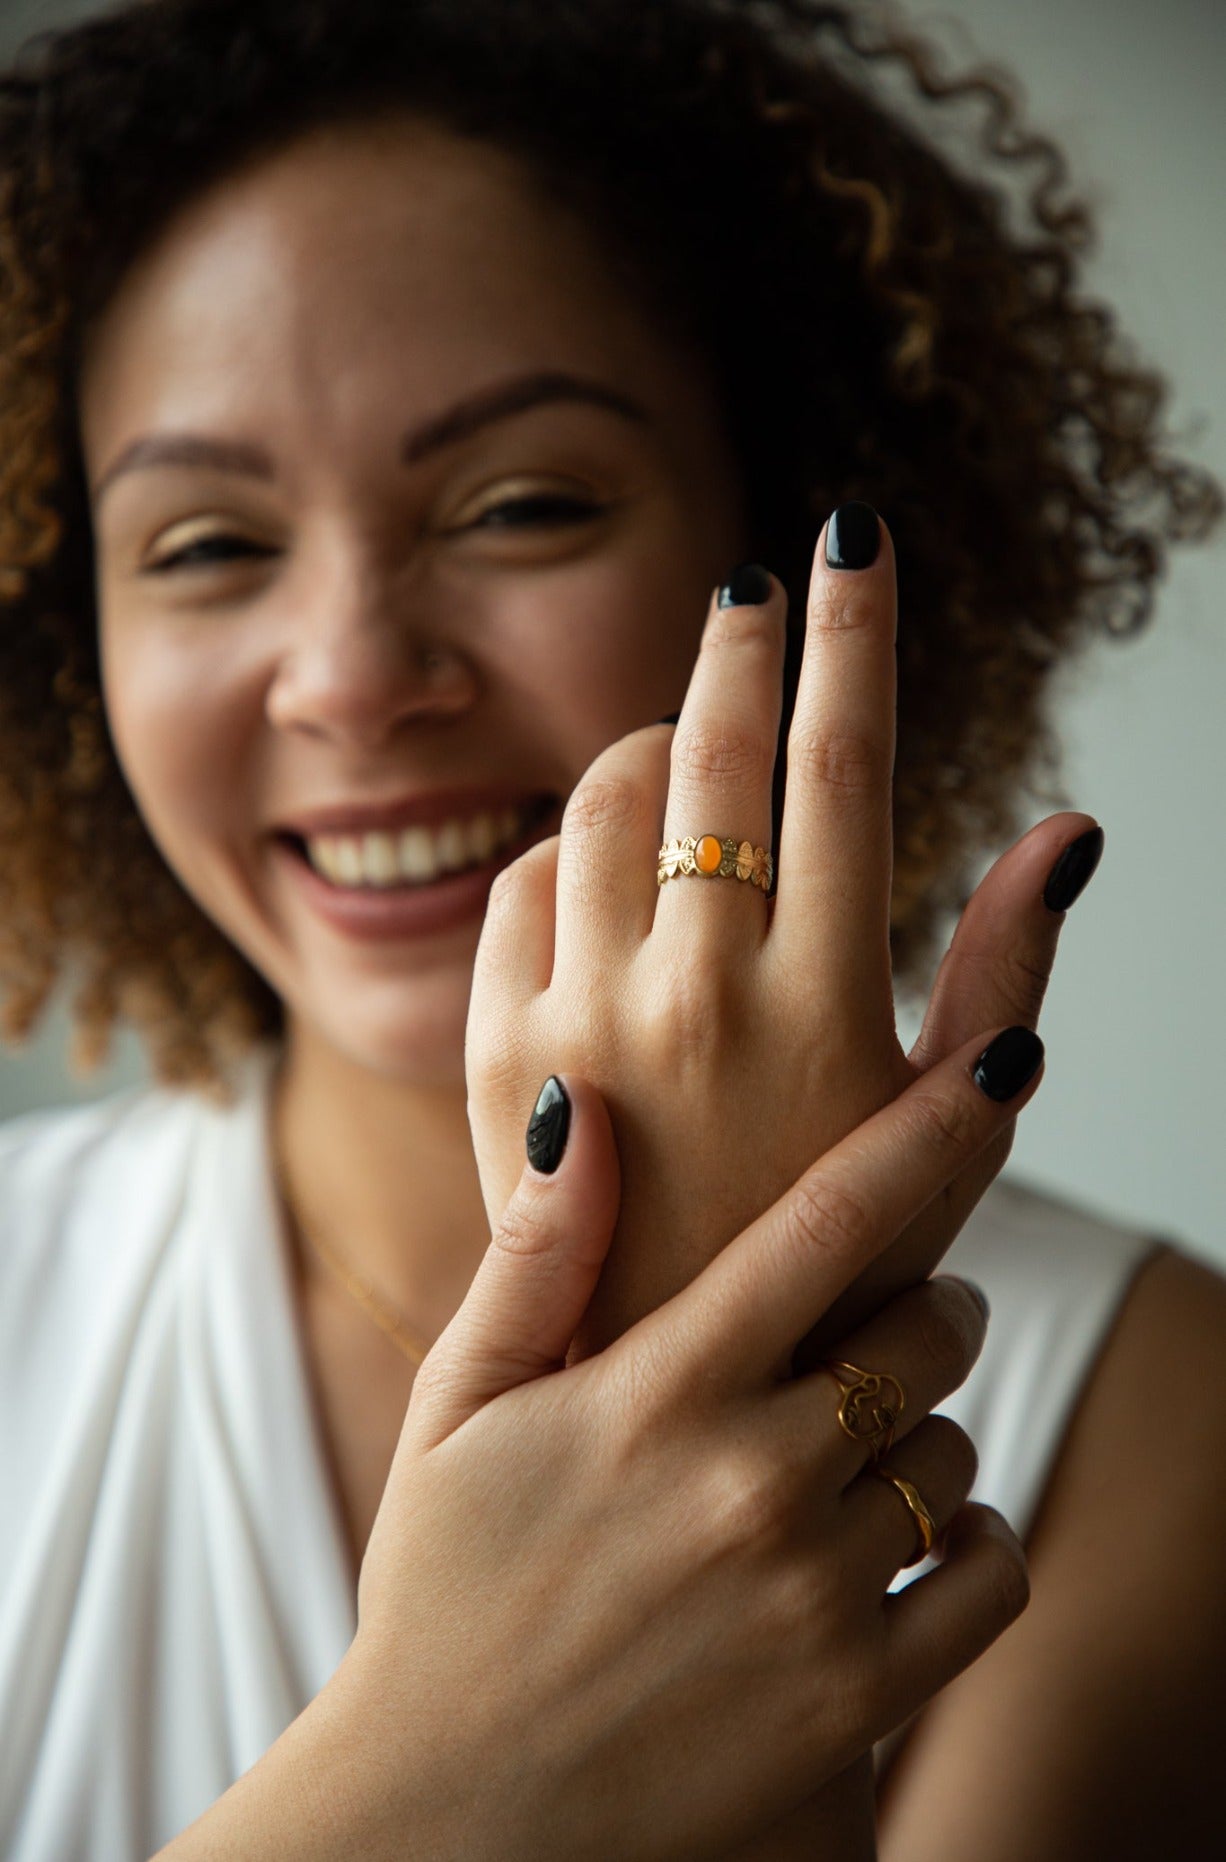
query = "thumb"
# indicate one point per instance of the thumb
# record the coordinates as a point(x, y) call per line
point(539, 1271)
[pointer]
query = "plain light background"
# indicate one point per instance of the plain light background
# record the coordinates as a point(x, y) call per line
point(1129, 1119)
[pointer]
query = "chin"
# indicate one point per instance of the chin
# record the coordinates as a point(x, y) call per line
point(411, 1037)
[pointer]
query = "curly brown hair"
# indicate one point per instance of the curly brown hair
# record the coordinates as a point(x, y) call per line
point(914, 339)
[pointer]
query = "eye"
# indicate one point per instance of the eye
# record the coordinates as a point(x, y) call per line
point(208, 553)
point(543, 508)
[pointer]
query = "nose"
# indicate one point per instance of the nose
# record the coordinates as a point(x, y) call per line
point(366, 656)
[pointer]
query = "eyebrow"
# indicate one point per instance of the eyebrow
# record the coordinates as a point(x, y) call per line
point(513, 397)
point(459, 422)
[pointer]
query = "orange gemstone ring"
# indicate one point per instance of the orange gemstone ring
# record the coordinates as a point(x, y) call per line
point(709, 857)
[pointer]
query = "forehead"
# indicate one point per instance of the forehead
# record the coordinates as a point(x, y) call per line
point(304, 281)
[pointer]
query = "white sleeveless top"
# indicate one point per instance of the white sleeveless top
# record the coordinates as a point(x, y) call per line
point(173, 1581)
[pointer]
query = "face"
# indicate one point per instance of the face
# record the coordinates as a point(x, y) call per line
point(403, 513)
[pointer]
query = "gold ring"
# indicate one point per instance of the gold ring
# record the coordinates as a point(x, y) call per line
point(707, 856)
point(871, 1405)
point(925, 1524)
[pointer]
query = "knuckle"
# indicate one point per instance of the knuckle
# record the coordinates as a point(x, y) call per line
point(601, 803)
point(724, 752)
point(751, 625)
point(1018, 983)
point(504, 895)
point(822, 1217)
point(843, 762)
point(949, 1124)
point(748, 1502)
point(523, 1227)
point(839, 613)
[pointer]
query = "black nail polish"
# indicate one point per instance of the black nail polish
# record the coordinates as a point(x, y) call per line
point(1074, 870)
point(748, 586)
point(1008, 1063)
point(673, 717)
point(853, 537)
point(549, 1127)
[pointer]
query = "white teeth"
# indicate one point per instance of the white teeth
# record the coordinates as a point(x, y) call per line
point(451, 846)
point(417, 854)
point(417, 859)
point(380, 860)
point(349, 862)
point(482, 837)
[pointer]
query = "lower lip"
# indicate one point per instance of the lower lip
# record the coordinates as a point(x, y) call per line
point(382, 917)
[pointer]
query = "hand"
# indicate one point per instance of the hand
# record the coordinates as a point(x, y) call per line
point(733, 1038)
point(636, 1606)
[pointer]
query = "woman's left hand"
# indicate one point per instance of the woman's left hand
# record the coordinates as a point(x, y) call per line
point(736, 1038)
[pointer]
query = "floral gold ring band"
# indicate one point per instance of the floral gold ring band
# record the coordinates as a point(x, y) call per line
point(706, 856)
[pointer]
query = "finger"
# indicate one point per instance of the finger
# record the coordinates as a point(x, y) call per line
point(836, 840)
point(608, 853)
point(914, 1353)
point(944, 1621)
point(740, 1320)
point(723, 755)
point(999, 962)
point(515, 951)
point(538, 1274)
point(939, 1461)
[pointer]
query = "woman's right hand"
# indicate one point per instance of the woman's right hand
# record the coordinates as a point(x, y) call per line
point(637, 1606)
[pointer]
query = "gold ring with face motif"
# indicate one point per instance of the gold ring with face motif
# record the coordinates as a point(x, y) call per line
point(872, 1402)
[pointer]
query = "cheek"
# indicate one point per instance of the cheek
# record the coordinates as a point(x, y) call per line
point(176, 717)
point(602, 653)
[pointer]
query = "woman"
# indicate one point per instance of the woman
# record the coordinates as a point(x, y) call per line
point(385, 393)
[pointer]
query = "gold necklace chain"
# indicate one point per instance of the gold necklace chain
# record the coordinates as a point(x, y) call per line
point(371, 1304)
point(385, 1316)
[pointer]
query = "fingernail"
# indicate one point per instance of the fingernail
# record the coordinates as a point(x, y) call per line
point(749, 585)
point(1074, 870)
point(1008, 1063)
point(549, 1127)
point(853, 537)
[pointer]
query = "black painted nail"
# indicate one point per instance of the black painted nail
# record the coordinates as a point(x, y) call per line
point(1074, 870)
point(853, 537)
point(549, 1127)
point(1008, 1063)
point(672, 718)
point(749, 585)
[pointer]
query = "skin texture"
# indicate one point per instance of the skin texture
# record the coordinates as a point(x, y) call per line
point(373, 636)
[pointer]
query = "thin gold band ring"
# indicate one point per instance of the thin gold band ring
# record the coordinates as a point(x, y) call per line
point(925, 1524)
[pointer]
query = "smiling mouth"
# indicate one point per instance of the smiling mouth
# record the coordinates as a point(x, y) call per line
point(411, 859)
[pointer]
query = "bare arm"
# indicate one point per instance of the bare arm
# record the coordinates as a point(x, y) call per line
point(1094, 1727)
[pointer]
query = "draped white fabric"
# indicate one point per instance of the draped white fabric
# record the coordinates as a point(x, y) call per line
point(173, 1584)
